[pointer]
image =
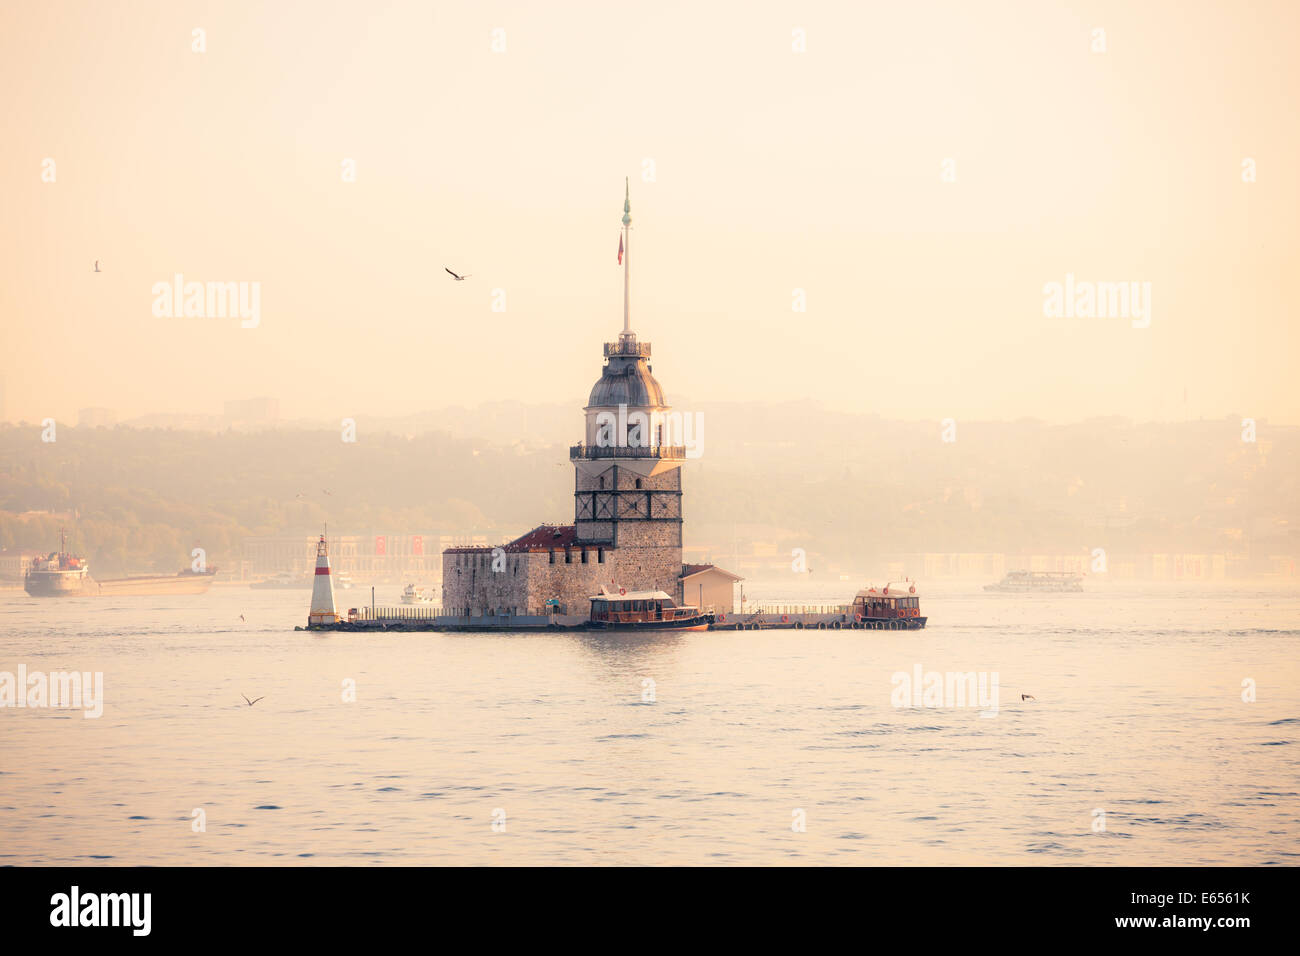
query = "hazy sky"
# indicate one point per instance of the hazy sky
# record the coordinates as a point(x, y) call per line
point(773, 171)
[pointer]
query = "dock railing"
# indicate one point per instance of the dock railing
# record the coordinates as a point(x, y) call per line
point(419, 612)
point(764, 607)
point(587, 452)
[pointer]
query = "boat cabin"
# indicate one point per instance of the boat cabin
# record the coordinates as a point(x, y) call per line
point(638, 607)
point(887, 604)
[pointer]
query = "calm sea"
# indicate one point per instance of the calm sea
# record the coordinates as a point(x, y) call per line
point(779, 747)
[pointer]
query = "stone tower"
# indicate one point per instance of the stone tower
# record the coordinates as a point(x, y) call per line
point(628, 485)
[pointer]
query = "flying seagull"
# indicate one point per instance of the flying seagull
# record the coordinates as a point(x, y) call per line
point(456, 277)
point(1028, 697)
point(251, 702)
point(241, 617)
point(96, 265)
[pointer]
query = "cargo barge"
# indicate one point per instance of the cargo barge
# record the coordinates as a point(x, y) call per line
point(153, 585)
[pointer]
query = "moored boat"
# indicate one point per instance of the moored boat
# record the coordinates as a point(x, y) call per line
point(644, 611)
point(890, 608)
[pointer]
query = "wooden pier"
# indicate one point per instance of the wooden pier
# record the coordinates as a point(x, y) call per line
point(763, 617)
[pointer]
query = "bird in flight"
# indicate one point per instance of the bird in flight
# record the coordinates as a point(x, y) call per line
point(456, 277)
point(1028, 697)
point(96, 265)
point(251, 702)
point(241, 617)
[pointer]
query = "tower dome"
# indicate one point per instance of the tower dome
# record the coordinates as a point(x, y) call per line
point(627, 381)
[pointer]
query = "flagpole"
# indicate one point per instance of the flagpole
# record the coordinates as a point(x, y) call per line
point(627, 222)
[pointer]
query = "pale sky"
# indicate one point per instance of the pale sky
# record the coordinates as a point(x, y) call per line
point(773, 170)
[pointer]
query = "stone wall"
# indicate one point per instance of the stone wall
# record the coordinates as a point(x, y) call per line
point(528, 580)
point(468, 581)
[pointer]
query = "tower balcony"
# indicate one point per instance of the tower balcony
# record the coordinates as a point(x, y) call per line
point(591, 452)
point(629, 347)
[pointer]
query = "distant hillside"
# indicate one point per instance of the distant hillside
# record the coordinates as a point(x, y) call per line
point(843, 487)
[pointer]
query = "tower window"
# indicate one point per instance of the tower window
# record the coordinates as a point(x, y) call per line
point(552, 557)
point(600, 555)
point(568, 556)
point(638, 483)
point(602, 481)
point(584, 555)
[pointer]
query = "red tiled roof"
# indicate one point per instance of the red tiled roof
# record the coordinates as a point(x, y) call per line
point(545, 537)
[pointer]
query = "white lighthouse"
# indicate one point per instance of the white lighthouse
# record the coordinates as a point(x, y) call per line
point(322, 589)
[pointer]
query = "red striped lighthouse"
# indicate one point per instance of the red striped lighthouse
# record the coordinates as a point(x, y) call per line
point(322, 589)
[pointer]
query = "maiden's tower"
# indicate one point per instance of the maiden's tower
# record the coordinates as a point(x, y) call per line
point(627, 514)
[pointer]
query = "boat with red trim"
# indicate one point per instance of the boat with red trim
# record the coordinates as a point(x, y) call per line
point(889, 608)
point(644, 611)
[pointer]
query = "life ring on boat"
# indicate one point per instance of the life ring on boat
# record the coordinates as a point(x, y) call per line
point(622, 590)
point(857, 617)
point(722, 619)
point(785, 618)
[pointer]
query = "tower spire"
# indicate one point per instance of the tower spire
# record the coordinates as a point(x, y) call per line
point(627, 223)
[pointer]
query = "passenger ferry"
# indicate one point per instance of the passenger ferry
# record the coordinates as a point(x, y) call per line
point(1051, 582)
point(888, 609)
point(644, 611)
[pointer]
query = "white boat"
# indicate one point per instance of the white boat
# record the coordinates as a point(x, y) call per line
point(414, 595)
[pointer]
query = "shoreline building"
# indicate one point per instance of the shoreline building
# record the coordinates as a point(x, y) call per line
point(627, 502)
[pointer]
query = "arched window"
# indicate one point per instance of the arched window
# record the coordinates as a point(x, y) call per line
point(638, 483)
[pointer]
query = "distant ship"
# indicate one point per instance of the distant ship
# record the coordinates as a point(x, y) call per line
point(414, 595)
point(182, 582)
point(284, 581)
point(58, 574)
point(1038, 582)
